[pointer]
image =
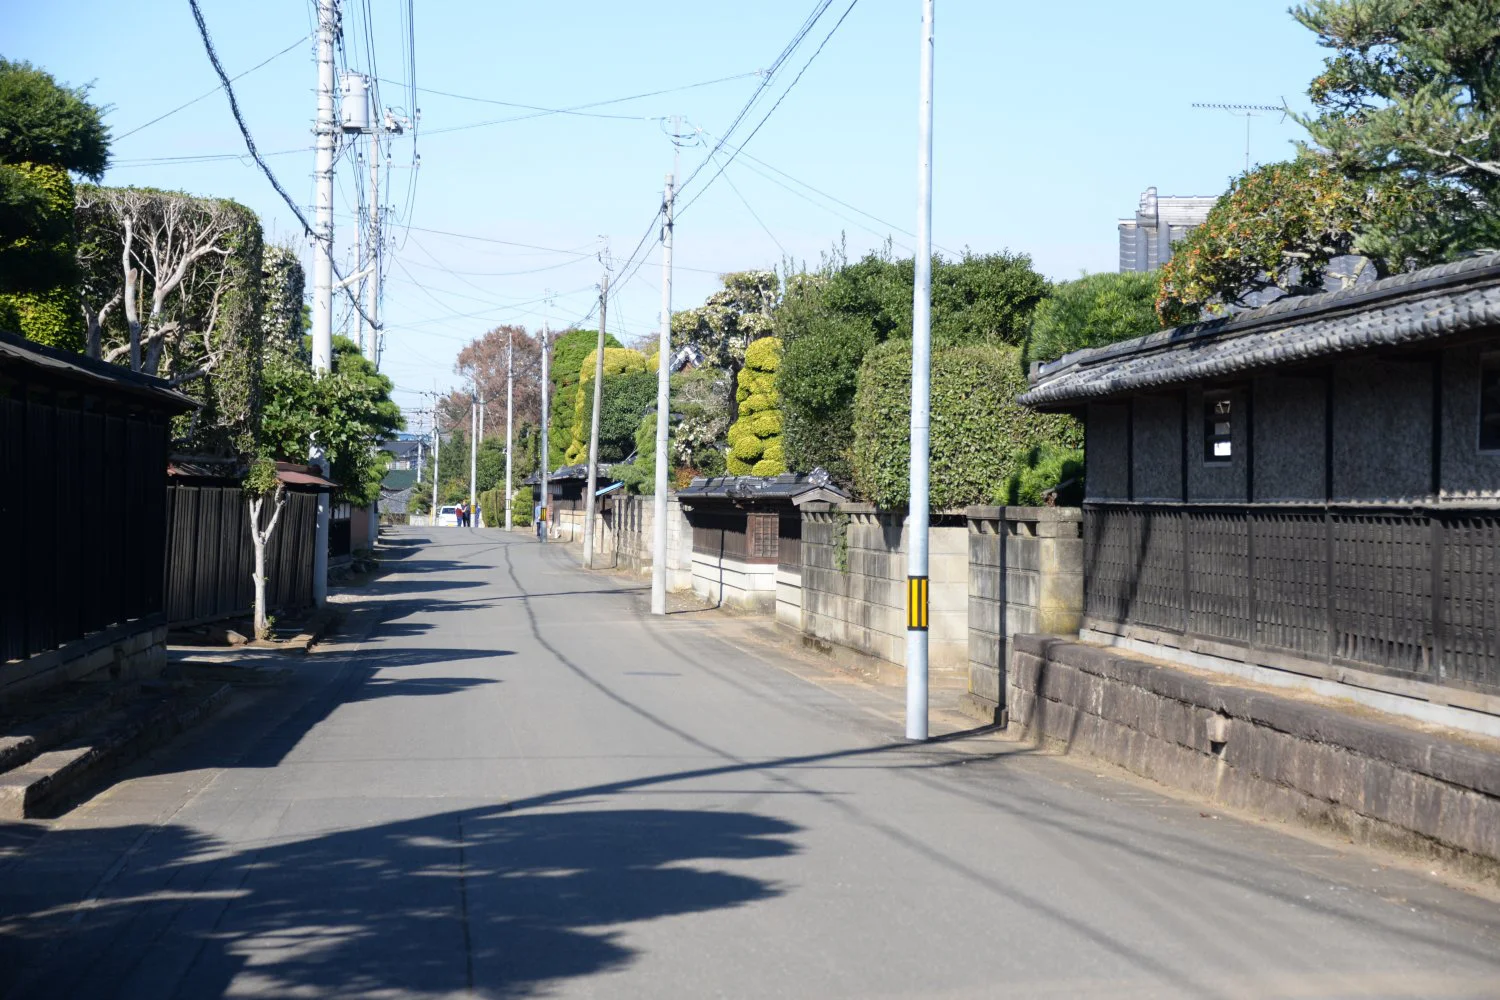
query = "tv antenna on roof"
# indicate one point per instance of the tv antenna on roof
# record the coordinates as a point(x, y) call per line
point(1247, 112)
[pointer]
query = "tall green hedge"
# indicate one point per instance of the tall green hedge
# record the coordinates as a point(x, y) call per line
point(755, 446)
point(569, 348)
point(38, 275)
point(978, 429)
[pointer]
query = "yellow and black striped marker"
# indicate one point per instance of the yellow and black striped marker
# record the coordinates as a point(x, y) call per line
point(916, 603)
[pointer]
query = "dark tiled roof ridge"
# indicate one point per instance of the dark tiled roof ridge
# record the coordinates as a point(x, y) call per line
point(1413, 308)
point(1293, 310)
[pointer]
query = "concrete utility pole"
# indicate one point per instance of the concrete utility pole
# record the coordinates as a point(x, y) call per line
point(372, 289)
point(663, 412)
point(322, 331)
point(473, 447)
point(546, 374)
point(437, 454)
point(510, 407)
point(921, 401)
point(588, 515)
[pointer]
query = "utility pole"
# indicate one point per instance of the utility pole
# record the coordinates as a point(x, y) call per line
point(510, 406)
point(921, 401)
point(588, 515)
point(473, 445)
point(372, 290)
point(663, 412)
point(546, 374)
point(322, 331)
point(437, 454)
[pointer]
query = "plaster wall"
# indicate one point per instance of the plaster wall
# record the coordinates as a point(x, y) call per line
point(1157, 430)
point(1467, 473)
point(1106, 452)
point(1382, 430)
point(1290, 438)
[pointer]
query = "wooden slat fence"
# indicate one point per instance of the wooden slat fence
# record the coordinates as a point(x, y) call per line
point(1409, 593)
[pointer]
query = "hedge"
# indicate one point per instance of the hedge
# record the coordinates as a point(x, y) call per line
point(618, 361)
point(1095, 310)
point(978, 430)
point(755, 444)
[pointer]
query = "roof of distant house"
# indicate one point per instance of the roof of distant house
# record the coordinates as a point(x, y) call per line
point(579, 471)
point(400, 449)
point(1410, 309)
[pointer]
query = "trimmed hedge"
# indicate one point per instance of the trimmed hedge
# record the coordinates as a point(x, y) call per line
point(618, 361)
point(755, 446)
point(977, 427)
point(1095, 310)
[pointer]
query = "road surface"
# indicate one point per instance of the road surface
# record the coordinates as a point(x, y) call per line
point(512, 781)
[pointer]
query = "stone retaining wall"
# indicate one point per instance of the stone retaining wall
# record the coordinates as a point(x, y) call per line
point(124, 652)
point(1278, 757)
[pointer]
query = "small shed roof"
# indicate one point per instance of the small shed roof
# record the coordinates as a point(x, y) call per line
point(579, 471)
point(1410, 309)
point(90, 374)
point(302, 475)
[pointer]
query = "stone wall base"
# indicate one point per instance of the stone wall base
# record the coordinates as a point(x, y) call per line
point(131, 652)
point(1278, 757)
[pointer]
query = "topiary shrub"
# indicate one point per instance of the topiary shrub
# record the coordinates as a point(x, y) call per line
point(618, 365)
point(755, 447)
point(977, 427)
point(1039, 470)
point(521, 503)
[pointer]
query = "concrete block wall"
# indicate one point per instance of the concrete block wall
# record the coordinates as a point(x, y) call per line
point(739, 584)
point(789, 596)
point(626, 535)
point(1025, 576)
point(861, 604)
point(1278, 757)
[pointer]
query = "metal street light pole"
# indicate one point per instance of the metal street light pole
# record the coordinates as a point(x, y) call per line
point(593, 483)
point(921, 401)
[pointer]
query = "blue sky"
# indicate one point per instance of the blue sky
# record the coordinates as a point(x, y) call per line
point(1050, 121)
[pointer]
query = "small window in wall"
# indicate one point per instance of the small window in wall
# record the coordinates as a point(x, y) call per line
point(764, 541)
point(1489, 404)
point(1218, 428)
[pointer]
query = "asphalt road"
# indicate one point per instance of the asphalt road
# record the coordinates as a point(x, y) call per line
point(518, 783)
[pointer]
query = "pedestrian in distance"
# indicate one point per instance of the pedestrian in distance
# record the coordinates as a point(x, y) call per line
point(536, 519)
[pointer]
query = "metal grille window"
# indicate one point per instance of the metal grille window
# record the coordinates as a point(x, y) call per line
point(1489, 404)
point(1218, 437)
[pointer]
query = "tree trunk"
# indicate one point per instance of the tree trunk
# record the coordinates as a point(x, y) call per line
point(259, 538)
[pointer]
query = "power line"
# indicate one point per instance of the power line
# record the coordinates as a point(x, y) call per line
point(826, 38)
point(581, 110)
point(234, 107)
point(730, 181)
point(210, 93)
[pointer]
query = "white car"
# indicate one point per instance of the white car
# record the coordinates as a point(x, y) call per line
point(447, 516)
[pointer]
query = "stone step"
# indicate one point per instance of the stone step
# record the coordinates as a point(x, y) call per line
point(53, 779)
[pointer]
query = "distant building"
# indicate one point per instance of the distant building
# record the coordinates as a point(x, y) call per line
point(1146, 239)
point(405, 455)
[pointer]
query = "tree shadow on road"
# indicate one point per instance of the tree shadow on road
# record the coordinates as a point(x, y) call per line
point(491, 900)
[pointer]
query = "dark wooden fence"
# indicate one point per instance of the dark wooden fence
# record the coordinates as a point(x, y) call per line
point(80, 494)
point(1410, 593)
point(210, 555)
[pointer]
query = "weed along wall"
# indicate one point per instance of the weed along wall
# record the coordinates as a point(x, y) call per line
point(854, 583)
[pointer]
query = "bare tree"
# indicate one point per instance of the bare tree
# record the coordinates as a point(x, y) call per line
point(167, 246)
point(262, 484)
